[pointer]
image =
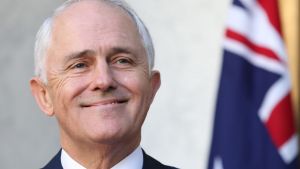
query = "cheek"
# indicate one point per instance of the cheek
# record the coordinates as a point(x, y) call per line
point(67, 89)
point(135, 83)
point(139, 87)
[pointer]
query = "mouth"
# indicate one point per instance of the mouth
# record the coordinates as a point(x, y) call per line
point(107, 102)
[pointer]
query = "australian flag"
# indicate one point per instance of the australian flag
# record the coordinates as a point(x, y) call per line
point(254, 126)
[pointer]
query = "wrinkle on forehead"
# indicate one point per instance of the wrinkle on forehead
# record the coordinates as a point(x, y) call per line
point(84, 10)
point(94, 17)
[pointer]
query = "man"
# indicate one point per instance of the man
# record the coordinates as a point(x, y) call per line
point(93, 65)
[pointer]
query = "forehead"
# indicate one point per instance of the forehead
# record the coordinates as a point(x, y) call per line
point(88, 9)
point(93, 21)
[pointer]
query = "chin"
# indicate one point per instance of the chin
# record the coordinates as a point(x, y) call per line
point(107, 135)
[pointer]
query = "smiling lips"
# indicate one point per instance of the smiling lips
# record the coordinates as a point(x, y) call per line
point(106, 102)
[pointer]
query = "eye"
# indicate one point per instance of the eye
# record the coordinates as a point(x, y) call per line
point(80, 65)
point(123, 61)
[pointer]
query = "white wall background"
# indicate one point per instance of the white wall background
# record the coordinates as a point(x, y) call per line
point(188, 38)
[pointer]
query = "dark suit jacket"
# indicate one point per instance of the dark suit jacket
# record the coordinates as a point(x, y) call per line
point(149, 163)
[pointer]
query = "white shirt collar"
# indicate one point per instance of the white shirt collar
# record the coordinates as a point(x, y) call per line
point(132, 161)
point(68, 162)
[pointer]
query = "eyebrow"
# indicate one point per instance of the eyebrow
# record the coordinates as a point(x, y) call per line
point(116, 50)
point(78, 55)
point(84, 53)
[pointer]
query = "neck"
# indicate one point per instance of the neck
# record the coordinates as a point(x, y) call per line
point(99, 155)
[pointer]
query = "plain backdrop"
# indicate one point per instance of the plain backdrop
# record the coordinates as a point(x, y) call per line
point(187, 36)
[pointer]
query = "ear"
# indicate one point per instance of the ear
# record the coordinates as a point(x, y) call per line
point(41, 95)
point(155, 83)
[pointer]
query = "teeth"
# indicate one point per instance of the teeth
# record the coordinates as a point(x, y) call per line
point(108, 103)
point(114, 102)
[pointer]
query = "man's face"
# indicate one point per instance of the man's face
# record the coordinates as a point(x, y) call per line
point(99, 83)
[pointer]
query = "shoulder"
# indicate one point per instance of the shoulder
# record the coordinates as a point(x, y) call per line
point(55, 162)
point(150, 163)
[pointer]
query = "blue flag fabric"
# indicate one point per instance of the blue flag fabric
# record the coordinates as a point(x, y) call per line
point(254, 126)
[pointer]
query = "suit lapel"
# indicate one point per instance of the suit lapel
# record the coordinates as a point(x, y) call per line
point(149, 163)
point(55, 163)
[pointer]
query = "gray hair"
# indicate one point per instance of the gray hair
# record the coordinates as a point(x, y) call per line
point(43, 37)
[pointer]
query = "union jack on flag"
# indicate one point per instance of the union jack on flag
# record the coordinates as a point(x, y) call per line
point(254, 124)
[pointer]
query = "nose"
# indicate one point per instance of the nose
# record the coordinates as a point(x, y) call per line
point(103, 78)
